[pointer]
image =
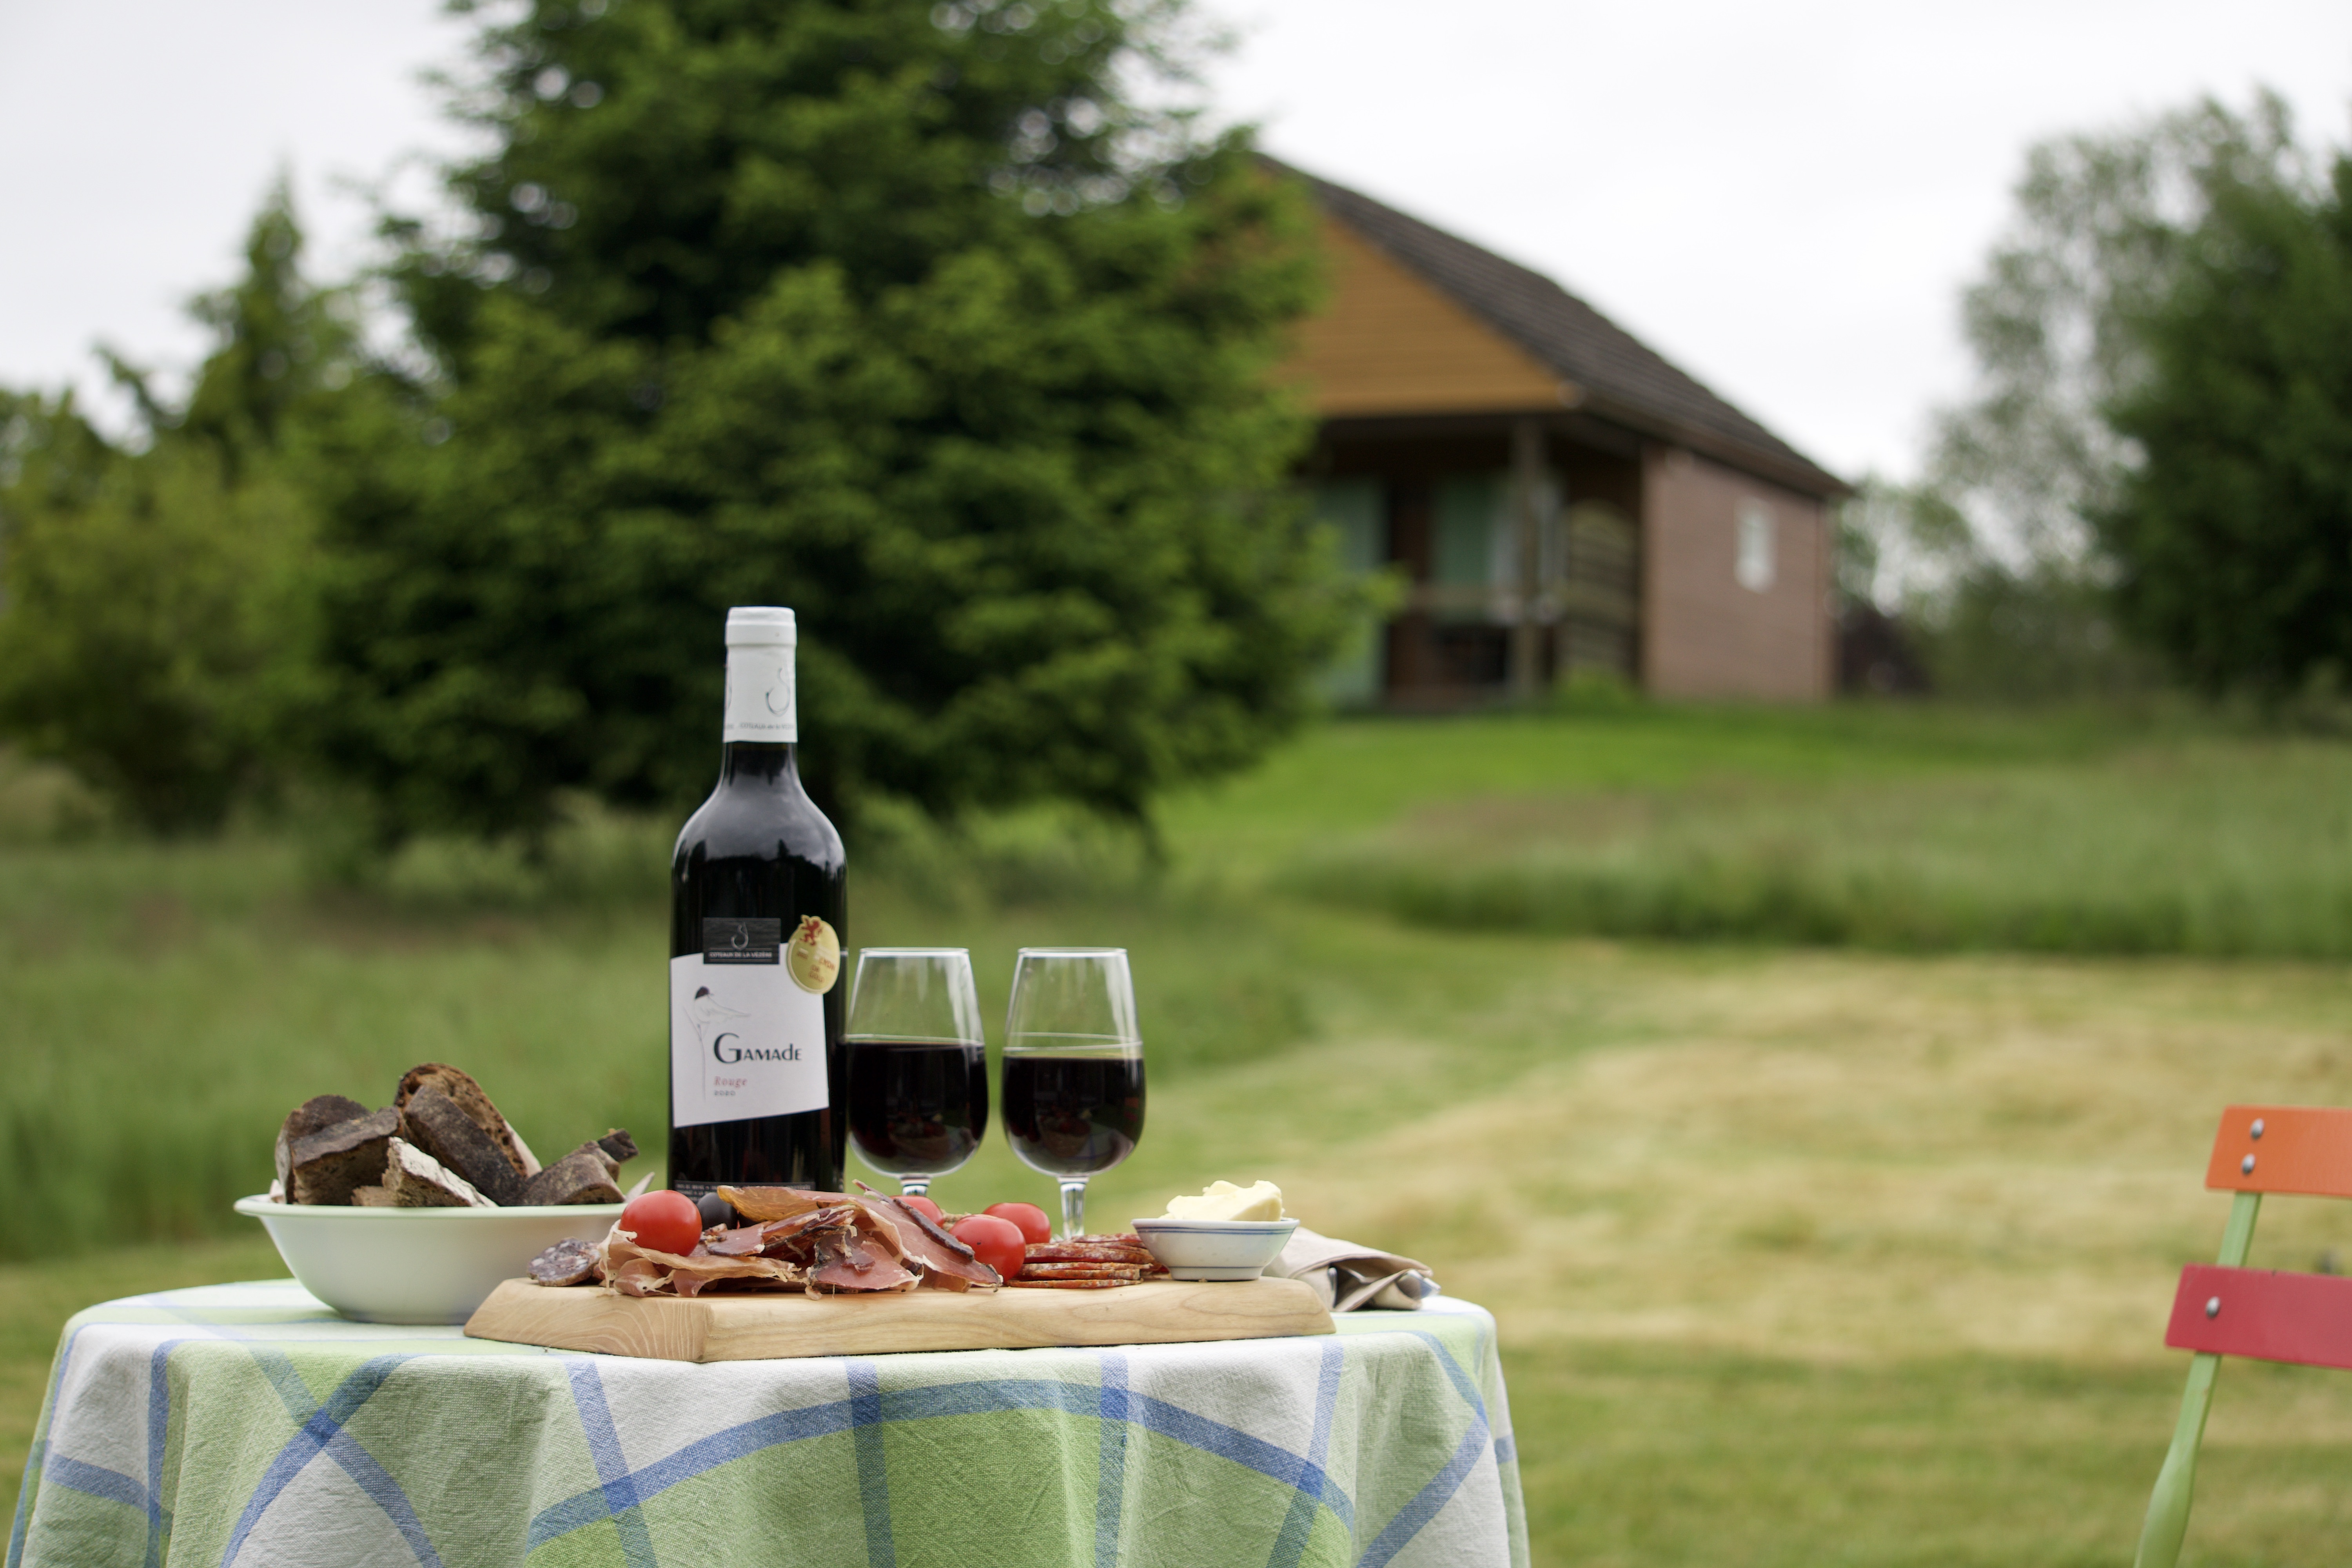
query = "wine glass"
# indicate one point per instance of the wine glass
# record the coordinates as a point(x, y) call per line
point(1073, 1069)
point(918, 1069)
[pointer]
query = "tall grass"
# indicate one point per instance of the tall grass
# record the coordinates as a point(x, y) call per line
point(2197, 846)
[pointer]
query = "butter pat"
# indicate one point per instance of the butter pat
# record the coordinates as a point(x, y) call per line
point(1259, 1200)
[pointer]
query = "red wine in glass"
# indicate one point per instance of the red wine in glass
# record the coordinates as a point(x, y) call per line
point(1073, 1115)
point(917, 1108)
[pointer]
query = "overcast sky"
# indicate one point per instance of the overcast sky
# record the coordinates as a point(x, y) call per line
point(1785, 199)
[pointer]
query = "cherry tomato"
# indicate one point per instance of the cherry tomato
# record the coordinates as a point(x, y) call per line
point(1028, 1218)
point(930, 1210)
point(995, 1242)
point(663, 1221)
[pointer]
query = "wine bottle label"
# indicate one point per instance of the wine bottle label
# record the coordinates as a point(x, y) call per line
point(746, 1039)
point(760, 700)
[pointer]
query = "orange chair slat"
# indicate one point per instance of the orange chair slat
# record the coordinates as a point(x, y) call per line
point(2264, 1313)
point(2297, 1150)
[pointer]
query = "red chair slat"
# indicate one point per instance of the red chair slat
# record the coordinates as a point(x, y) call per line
point(2298, 1150)
point(2264, 1313)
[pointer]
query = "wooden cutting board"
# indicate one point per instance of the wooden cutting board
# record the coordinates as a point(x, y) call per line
point(759, 1327)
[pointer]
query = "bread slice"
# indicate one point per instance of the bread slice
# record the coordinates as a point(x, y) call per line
point(313, 1115)
point(469, 1099)
point(582, 1176)
point(438, 1125)
point(417, 1180)
point(327, 1167)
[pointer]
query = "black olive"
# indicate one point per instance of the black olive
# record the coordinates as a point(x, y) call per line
point(717, 1212)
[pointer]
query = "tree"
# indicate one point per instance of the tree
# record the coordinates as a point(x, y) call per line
point(1994, 559)
point(2233, 532)
point(154, 604)
point(905, 315)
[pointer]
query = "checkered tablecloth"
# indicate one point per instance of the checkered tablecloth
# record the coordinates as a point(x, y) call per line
point(247, 1424)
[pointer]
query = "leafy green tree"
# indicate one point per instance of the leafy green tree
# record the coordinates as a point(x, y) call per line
point(904, 314)
point(1992, 559)
point(2233, 532)
point(154, 604)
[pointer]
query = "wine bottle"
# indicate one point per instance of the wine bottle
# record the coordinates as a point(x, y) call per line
point(758, 1066)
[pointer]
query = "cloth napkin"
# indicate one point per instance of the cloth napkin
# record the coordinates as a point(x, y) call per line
point(1350, 1277)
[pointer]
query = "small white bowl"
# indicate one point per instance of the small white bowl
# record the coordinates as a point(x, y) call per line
point(417, 1266)
point(1215, 1249)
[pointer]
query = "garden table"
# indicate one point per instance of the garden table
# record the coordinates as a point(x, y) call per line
point(248, 1424)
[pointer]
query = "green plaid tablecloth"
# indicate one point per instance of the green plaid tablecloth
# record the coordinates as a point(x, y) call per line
point(247, 1424)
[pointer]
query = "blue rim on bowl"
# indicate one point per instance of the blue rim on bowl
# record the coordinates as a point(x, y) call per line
point(1222, 1249)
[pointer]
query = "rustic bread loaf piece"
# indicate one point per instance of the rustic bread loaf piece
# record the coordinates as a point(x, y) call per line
point(313, 1115)
point(469, 1099)
point(618, 1146)
point(438, 1124)
point(417, 1180)
point(326, 1166)
point(582, 1176)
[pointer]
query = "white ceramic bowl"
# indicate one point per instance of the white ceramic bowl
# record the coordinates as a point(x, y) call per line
point(1215, 1248)
point(417, 1266)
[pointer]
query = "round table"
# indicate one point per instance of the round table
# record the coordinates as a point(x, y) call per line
point(248, 1424)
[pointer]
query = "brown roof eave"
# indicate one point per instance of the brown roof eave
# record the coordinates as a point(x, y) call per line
point(1804, 478)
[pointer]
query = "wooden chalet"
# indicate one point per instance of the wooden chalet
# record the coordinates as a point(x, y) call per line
point(1559, 497)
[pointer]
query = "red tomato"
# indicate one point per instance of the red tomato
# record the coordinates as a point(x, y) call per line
point(1035, 1229)
point(663, 1221)
point(995, 1242)
point(930, 1210)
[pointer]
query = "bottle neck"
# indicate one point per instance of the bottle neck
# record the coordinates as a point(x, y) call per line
point(762, 710)
point(758, 762)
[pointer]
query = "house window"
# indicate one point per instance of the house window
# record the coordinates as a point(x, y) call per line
point(1754, 566)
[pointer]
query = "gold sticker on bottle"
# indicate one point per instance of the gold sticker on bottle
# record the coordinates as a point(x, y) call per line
point(813, 955)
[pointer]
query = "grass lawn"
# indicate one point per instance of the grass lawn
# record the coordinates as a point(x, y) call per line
point(1805, 1256)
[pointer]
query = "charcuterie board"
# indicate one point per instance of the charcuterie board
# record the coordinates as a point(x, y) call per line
point(757, 1327)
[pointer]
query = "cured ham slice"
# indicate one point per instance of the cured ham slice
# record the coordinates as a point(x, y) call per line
point(947, 1264)
point(759, 1204)
point(844, 1262)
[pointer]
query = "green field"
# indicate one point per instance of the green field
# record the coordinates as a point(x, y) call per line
point(1853, 1251)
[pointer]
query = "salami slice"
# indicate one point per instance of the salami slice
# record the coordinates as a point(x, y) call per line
point(1086, 1252)
point(1065, 1284)
point(1082, 1271)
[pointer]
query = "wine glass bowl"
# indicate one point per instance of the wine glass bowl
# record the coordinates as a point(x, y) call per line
point(1073, 1069)
point(917, 1066)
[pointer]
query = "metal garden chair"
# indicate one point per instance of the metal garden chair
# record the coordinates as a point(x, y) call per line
point(2226, 1309)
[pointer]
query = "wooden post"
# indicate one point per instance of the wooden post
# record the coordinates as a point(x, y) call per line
point(1527, 485)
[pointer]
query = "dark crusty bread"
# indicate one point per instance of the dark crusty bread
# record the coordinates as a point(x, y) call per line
point(469, 1099)
point(313, 1115)
point(438, 1124)
point(327, 1166)
point(618, 1146)
point(416, 1179)
point(582, 1176)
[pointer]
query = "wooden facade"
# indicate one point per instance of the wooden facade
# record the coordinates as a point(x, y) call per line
point(1558, 500)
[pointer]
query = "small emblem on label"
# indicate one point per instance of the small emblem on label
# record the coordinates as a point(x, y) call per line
point(732, 939)
point(815, 956)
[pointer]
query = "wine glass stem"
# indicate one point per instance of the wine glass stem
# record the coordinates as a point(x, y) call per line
point(914, 1186)
point(1074, 1207)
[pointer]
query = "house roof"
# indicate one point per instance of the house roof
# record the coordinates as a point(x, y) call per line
point(1620, 378)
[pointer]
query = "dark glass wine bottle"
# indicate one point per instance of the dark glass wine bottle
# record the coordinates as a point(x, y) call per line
point(759, 1071)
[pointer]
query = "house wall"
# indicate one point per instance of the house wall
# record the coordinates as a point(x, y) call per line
point(1389, 342)
point(1705, 634)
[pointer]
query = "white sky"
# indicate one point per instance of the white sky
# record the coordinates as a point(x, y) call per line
point(1785, 199)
